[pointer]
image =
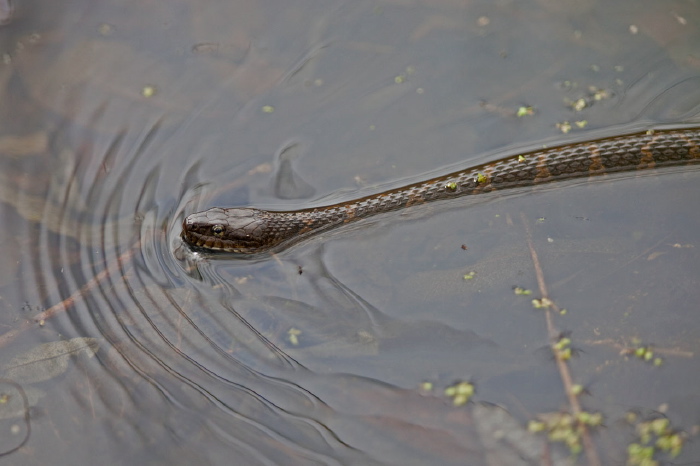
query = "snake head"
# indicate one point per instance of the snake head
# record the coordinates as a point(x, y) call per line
point(240, 231)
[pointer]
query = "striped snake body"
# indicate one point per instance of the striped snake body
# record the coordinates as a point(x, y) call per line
point(248, 231)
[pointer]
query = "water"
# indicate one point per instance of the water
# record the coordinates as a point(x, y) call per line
point(118, 119)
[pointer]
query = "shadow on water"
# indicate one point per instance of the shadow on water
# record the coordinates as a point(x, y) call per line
point(362, 346)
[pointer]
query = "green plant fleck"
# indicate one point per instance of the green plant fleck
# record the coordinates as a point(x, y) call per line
point(655, 436)
point(579, 105)
point(522, 291)
point(564, 127)
point(563, 342)
point(524, 111)
point(565, 354)
point(541, 303)
point(461, 393)
point(293, 336)
point(148, 91)
point(565, 428)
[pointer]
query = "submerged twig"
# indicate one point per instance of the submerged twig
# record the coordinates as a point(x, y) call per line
point(67, 303)
point(553, 334)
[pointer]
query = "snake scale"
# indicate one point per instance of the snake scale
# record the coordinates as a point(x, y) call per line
point(248, 231)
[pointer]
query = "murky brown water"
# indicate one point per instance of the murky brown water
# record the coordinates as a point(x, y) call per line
point(120, 118)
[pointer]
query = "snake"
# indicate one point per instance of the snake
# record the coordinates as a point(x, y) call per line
point(250, 231)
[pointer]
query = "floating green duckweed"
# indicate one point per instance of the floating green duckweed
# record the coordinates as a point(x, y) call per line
point(579, 105)
point(646, 354)
point(655, 437)
point(461, 392)
point(577, 389)
point(451, 186)
point(563, 343)
point(293, 336)
point(564, 127)
point(522, 291)
point(565, 428)
point(524, 111)
point(148, 91)
point(590, 419)
point(541, 303)
point(562, 348)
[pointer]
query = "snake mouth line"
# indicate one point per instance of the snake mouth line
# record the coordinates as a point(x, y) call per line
point(210, 243)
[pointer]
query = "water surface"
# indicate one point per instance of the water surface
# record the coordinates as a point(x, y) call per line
point(118, 119)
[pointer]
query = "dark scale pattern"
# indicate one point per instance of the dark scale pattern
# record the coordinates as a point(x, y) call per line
point(251, 231)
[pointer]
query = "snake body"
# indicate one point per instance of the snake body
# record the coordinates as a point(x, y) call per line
point(248, 231)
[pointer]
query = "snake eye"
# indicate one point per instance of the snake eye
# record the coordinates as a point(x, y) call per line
point(217, 229)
